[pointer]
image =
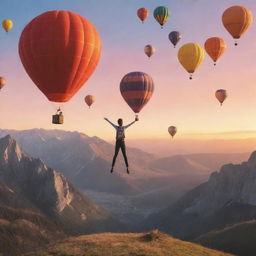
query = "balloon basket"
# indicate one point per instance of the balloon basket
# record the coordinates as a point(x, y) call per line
point(136, 117)
point(58, 118)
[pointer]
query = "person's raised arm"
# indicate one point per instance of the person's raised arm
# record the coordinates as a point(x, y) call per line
point(128, 125)
point(110, 122)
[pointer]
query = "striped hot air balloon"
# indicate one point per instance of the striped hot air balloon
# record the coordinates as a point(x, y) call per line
point(161, 14)
point(137, 89)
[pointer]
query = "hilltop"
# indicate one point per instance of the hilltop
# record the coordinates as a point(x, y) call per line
point(136, 244)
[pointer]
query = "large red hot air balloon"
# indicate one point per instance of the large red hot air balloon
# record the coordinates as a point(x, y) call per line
point(59, 50)
point(137, 89)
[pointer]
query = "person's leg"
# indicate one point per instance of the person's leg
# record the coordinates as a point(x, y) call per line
point(124, 154)
point(115, 155)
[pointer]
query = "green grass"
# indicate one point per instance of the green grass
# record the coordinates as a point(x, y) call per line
point(133, 244)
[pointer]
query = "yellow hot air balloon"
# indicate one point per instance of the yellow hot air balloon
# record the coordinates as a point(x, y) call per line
point(149, 50)
point(221, 95)
point(89, 99)
point(215, 47)
point(236, 20)
point(172, 130)
point(191, 56)
point(7, 25)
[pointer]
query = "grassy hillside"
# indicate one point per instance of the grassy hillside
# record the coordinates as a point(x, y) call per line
point(22, 231)
point(238, 239)
point(110, 244)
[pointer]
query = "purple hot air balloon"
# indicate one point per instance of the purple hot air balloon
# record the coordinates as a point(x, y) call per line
point(174, 37)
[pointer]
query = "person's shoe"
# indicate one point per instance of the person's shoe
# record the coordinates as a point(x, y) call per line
point(127, 170)
point(112, 169)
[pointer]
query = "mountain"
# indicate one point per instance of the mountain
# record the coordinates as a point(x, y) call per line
point(39, 205)
point(199, 164)
point(238, 239)
point(152, 243)
point(86, 162)
point(228, 197)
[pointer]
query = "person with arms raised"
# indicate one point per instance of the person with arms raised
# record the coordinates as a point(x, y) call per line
point(120, 143)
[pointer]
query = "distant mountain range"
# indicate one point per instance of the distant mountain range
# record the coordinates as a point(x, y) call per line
point(228, 197)
point(153, 183)
point(39, 205)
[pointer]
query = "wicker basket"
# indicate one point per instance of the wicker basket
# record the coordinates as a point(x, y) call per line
point(58, 119)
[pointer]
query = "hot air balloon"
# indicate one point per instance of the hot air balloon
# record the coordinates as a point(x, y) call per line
point(174, 37)
point(236, 20)
point(59, 50)
point(215, 47)
point(172, 130)
point(161, 14)
point(191, 56)
point(221, 95)
point(137, 89)
point(7, 24)
point(142, 13)
point(149, 50)
point(2, 82)
point(89, 99)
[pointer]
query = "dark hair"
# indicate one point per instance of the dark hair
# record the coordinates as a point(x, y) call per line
point(120, 121)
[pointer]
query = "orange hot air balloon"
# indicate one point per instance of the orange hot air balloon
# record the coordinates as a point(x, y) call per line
point(221, 95)
point(172, 130)
point(236, 20)
point(89, 99)
point(2, 82)
point(59, 50)
point(142, 13)
point(215, 47)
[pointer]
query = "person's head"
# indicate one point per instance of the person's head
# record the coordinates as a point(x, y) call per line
point(120, 121)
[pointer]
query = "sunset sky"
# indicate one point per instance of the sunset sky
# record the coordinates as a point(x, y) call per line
point(189, 105)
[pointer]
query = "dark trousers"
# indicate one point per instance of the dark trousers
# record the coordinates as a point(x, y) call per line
point(120, 144)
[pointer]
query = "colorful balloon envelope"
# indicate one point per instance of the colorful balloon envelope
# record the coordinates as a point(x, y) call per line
point(59, 50)
point(2, 82)
point(191, 56)
point(172, 130)
point(161, 14)
point(215, 47)
point(89, 100)
point(149, 50)
point(143, 13)
point(7, 25)
point(236, 20)
point(137, 88)
point(174, 37)
point(221, 95)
